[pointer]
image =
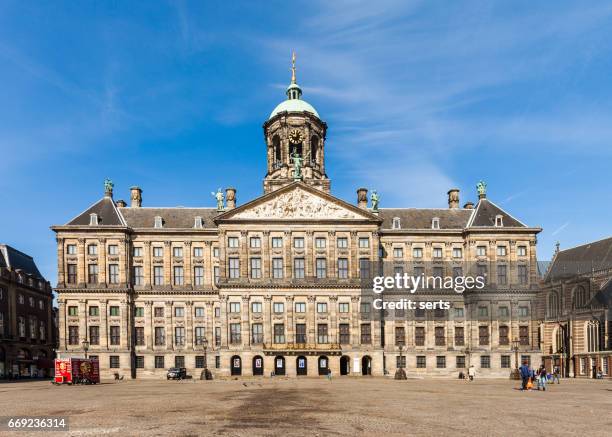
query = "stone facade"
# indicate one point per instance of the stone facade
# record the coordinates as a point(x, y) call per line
point(275, 285)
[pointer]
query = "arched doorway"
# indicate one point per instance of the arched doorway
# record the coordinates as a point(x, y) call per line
point(366, 365)
point(279, 365)
point(345, 365)
point(301, 366)
point(258, 365)
point(323, 365)
point(236, 366)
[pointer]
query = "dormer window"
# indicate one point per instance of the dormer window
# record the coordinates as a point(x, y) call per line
point(198, 222)
point(499, 221)
point(159, 223)
point(93, 219)
point(435, 223)
point(397, 224)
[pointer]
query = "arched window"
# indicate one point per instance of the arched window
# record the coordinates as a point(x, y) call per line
point(277, 150)
point(553, 304)
point(314, 147)
point(592, 336)
point(580, 297)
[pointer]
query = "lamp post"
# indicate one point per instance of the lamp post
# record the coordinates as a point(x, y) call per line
point(85, 345)
point(400, 373)
point(204, 343)
point(515, 374)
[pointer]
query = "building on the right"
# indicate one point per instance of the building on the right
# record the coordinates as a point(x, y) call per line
point(575, 308)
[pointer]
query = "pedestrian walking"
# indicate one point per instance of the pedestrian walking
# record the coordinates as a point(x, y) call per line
point(471, 373)
point(556, 375)
point(525, 375)
point(542, 378)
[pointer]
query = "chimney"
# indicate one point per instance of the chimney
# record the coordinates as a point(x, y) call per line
point(468, 205)
point(121, 203)
point(136, 197)
point(230, 198)
point(453, 198)
point(362, 198)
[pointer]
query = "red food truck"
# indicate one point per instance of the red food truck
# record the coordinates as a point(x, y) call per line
point(77, 371)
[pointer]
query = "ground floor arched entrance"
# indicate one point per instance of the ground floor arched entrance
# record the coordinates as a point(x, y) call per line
point(366, 365)
point(279, 365)
point(323, 365)
point(236, 366)
point(345, 365)
point(301, 366)
point(258, 365)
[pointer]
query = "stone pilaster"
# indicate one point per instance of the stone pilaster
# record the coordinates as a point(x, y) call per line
point(311, 327)
point(267, 322)
point(189, 329)
point(309, 256)
point(61, 313)
point(61, 264)
point(290, 323)
point(244, 329)
point(102, 268)
point(224, 324)
point(83, 334)
point(333, 325)
point(81, 263)
point(149, 330)
point(124, 311)
point(169, 328)
point(354, 261)
point(355, 318)
point(188, 265)
point(167, 263)
point(147, 261)
point(104, 324)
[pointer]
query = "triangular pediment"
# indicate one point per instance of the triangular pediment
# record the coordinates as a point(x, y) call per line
point(298, 202)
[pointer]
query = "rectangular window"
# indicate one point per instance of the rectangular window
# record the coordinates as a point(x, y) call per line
point(298, 268)
point(277, 242)
point(113, 249)
point(199, 335)
point(503, 312)
point(457, 252)
point(232, 242)
point(343, 307)
point(419, 313)
point(481, 271)
point(217, 336)
point(364, 243)
point(179, 336)
point(113, 361)
point(322, 337)
point(92, 270)
point(138, 275)
point(158, 275)
point(177, 252)
point(92, 249)
point(140, 337)
point(485, 361)
point(158, 311)
point(320, 243)
point(458, 313)
point(298, 242)
point(217, 273)
point(505, 361)
point(71, 249)
point(483, 335)
point(198, 275)
point(502, 277)
point(321, 268)
point(255, 268)
point(256, 307)
point(400, 336)
point(342, 242)
point(257, 333)
point(73, 333)
point(521, 250)
point(72, 273)
point(137, 251)
point(234, 268)
point(501, 250)
point(115, 335)
point(522, 274)
point(279, 307)
point(215, 252)
point(94, 335)
point(524, 335)
point(199, 362)
point(179, 278)
point(417, 252)
point(139, 312)
point(421, 361)
point(255, 242)
point(439, 336)
point(300, 307)
point(73, 311)
point(441, 362)
point(437, 252)
point(481, 251)
point(113, 273)
point(364, 268)
point(437, 272)
point(345, 333)
point(398, 252)
point(321, 307)
point(217, 362)
point(366, 333)
point(364, 308)
point(300, 333)
point(279, 333)
point(419, 336)
point(158, 251)
point(343, 268)
point(114, 311)
point(199, 312)
point(457, 272)
point(504, 339)
point(160, 336)
point(179, 361)
point(483, 311)
point(235, 307)
point(179, 312)
point(523, 311)
point(198, 252)
point(235, 333)
point(460, 361)
point(277, 268)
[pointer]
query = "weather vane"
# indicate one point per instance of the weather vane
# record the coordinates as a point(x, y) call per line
point(293, 67)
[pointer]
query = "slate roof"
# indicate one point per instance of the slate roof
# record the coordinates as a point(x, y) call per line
point(15, 260)
point(172, 217)
point(107, 214)
point(485, 213)
point(596, 255)
point(416, 218)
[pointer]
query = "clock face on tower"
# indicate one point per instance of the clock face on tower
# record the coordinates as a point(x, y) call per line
point(295, 136)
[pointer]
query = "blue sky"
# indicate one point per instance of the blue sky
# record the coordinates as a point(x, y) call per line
point(419, 97)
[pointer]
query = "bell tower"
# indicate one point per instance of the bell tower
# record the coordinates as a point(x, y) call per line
point(295, 141)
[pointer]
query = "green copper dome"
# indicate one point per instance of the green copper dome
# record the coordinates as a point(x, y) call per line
point(294, 105)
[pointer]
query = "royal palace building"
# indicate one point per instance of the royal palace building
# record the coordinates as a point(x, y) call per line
point(276, 285)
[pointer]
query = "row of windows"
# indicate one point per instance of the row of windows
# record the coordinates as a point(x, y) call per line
point(460, 363)
point(298, 242)
point(21, 300)
point(179, 361)
point(299, 268)
point(481, 270)
point(440, 336)
point(438, 252)
point(36, 330)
